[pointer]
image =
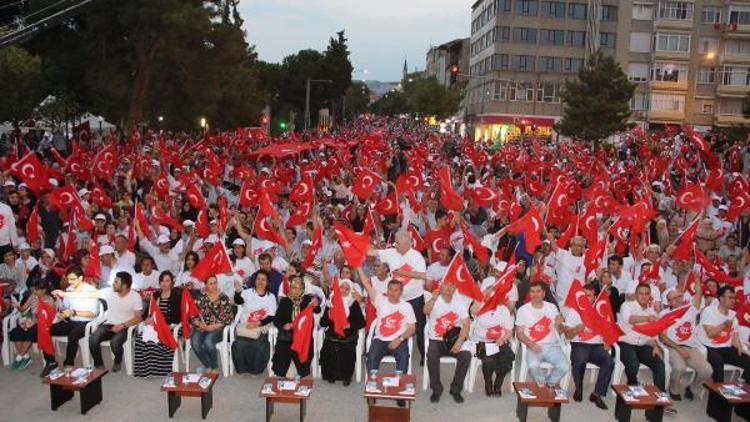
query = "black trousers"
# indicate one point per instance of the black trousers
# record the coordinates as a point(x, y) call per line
point(499, 364)
point(632, 356)
point(75, 330)
point(283, 356)
point(418, 306)
point(116, 340)
point(583, 353)
point(719, 356)
point(436, 350)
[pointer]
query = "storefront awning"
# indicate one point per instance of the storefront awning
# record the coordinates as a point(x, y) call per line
point(516, 120)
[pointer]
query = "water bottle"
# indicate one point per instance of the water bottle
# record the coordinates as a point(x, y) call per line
point(398, 375)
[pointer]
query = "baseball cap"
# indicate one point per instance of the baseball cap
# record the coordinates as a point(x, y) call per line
point(100, 216)
point(238, 242)
point(105, 250)
point(162, 239)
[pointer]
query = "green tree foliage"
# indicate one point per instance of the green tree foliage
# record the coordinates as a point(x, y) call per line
point(390, 104)
point(356, 100)
point(421, 95)
point(597, 103)
point(20, 84)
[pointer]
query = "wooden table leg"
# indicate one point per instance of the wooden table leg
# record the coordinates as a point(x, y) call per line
point(553, 412)
point(718, 407)
point(522, 410)
point(91, 395)
point(174, 401)
point(622, 410)
point(302, 410)
point(59, 396)
point(656, 414)
point(269, 409)
point(207, 402)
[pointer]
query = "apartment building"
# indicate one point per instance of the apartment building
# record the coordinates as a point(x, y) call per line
point(690, 60)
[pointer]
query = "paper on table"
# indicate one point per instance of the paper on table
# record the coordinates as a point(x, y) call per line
point(638, 391)
point(491, 348)
point(287, 385)
point(79, 372)
point(390, 382)
point(188, 378)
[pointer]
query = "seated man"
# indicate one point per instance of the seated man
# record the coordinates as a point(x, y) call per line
point(538, 322)
point(636, 348)
point(124, 308)
point(588, 347)
point(446, 311)
point(718, 332)
point(680, 339)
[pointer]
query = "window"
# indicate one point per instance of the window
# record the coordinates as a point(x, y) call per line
point(550, 64)
point(607, 39)
point(711, 14)
point(739, 15)
point(502, 34)
point(704, 106)
point(676, 10)
point(521, 91)
point(546, 92)
point(577, 10)
point(609, 13)
point(524, 35)
point(643, 12)
point(638, 72)
point(572, 65)
point(552, 37)
point(706, 75)
point(553, 9)
point(501, 91)
point(669, 72)
point(737, 47)
point(735, 75)
point(732, 107)
point(639, 102)
point(501, 61)
point(640, 42)
point(576, 38)
point(526, 7)
point(667, 102)
point(522, 62)
point(502, 6)
point(708, 45)
point(673, 41)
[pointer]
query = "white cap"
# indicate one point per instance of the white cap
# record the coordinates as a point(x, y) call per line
point(83, 191)
point(162, 239)
point(188, 223)
point(100, 216)
point(24, 246)
point(53, 182)
point(10, 183)
point(212, 238)
point(49, 251)
point(238, 242)
point(23, 186)
point(307, 242)
point(105, 250)
point(164, 230)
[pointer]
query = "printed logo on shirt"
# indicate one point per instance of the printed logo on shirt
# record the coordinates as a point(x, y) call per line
point(257, 315)
point(445, 323)
point(403, 279)
point(390, 324)
point(684, 331)
point(494, 333)
point(541, 329)
point(2, 221)
point(723, 336)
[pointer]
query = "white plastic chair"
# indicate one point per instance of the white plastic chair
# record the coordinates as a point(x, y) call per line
point(443, 359)
point(476, 363)
point(8, 351)
point(524, 372)
point(127, 346)
point(387, 358)
point(222, 347)
point(272, 335)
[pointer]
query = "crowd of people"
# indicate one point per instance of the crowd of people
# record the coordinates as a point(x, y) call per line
point(634, 252)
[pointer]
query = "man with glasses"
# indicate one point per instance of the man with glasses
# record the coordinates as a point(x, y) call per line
point(719, 333)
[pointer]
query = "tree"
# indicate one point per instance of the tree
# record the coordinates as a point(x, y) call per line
point(390, 104)
point(427, 96)
point(21, 84)
point(356, 100)
point(57, 111)
point(597, 103)
point(337, 68)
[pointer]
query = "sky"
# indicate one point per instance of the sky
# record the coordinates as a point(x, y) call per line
point(380, 32)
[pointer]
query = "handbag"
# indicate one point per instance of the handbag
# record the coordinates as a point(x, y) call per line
point(253, 333)
point(451, 337)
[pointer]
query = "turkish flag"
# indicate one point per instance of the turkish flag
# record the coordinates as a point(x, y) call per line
point(652, 329)
point(302, 327)
point(541, 329)
point(160, 325)
point(317, 243)
point(365, 183)
point(743, 314)
point(65, 198)
point(589, 225)
point(159, 216)
point(216, 261)
point(437, 239)
point(448, 197)
point(409, 182)
point(30, 170)
point(84, 223)
point(188, 310)
point(369, 225)
point(94, 267)
point(100, 197)
point(417, 242)
point(739, 203)
point(591, 319)
point(388, 206)
point(337, 311)
point(534, 187)
point(500, 290)
point(531, 225)
point(684, 242)
point(559, 201)
point(266, 207)
point(104, 163)
point(265, 230)
point(248, 195)
point(353, 244)
point(482, 253)
point(652, 275)
point(611, 331)
point(140, 217)
point(195, 197)
point(458, 274)
point(712, 271)
point(82, 132)
point(32, 226)
point(303, 191)
point(300, 215)
point(692, 197)
point(45, 315)
point(485, 197)
point(161, 186)
point(201, 224)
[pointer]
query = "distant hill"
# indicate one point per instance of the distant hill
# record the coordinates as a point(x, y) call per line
point(379, 88)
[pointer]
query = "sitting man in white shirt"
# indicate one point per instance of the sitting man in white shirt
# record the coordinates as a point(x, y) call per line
point(447, 313)
point(537, 325)
point(719, 333)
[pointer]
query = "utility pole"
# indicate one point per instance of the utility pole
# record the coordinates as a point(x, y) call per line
point(307, 99)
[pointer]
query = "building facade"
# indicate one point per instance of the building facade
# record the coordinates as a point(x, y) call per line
point(446, 61)
point(690, 60)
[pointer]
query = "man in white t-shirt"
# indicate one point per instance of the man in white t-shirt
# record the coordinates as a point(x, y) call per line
point(652, 285)
point(436, 271)
point(569, 265)
point(447, 310)
point(636, 348)
point(537, 325)
point(681, 341)
point(409, 268)
point(394, 324)
point(587, 347)
point(719, 333)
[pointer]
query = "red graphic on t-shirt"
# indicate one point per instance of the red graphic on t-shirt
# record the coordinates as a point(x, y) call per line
point(684, 331)
point(541, 329)
point(403, 279)
point(587, 334)
point(494, 333)
point(390, 324)
point(723, 336)
point(256, 316)
point(241, 273)
point(445, 323)
point(2, 221)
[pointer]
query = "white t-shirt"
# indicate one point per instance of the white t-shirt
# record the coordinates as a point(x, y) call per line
point(435, 273)
point(121, 309)
point(186, 278)
point(683, 330)
point(380, 286)
point(633, 286)
point(538, 323)
point(256, 307)
point(713, 317)
point(392, 319)
point(621, 283)
point(244, 267)
point(411, 261)
point(490, 326)
point(573, 319)
point(569, 268)
point(80, 304)
point(143, 281)
point(445, 316)
point(628, 309)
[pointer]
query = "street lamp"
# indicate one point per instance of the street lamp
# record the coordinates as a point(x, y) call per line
point(160, 119)
point(204, 123)
point(307, 98)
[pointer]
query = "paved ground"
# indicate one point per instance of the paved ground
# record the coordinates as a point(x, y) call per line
point(24, 398)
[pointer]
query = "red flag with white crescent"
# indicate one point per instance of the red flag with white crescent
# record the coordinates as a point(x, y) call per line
point(459, 275)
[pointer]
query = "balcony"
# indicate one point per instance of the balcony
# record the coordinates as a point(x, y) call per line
point(666, 116)
point(735, 58)
point(671, 55)
point(668, 86)
point(730, 120)
point(733, 30)
point(681, 24)
point(733, 90)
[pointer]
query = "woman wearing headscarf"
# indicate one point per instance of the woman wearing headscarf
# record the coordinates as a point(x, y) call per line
point(289, 307)
point(251, 350)
point(338, 355)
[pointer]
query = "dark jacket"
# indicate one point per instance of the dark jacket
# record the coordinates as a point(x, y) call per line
point(173, 317)
point(356, 322)
point(284, 315)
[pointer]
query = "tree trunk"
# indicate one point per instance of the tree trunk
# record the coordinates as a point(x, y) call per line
point(145, 49)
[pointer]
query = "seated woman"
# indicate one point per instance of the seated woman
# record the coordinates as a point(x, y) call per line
point(215, 311)
point(338, 355)
point(154, 359)
point(185, 278)
point(491, 333)
point(251, 350)
point(24, 334)
point(288, 309)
